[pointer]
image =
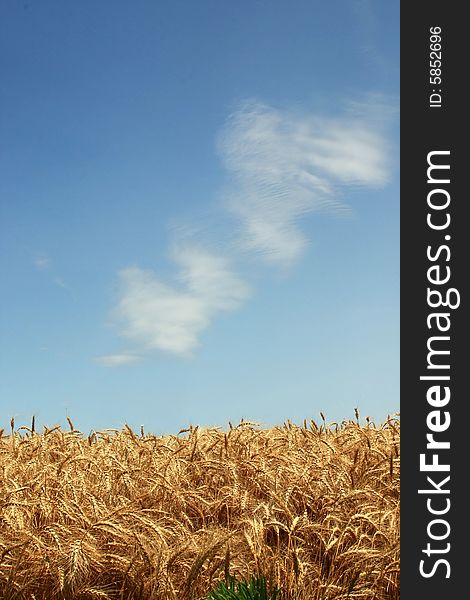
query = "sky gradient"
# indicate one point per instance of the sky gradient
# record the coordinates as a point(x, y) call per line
point(199, 212)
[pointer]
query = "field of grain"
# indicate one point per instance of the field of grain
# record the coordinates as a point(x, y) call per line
point(126, 515)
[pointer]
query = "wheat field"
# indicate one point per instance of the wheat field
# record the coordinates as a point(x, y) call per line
point(126, 515)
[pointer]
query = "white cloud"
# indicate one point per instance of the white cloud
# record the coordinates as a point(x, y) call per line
point(171, 318)
point(284, 165)
point(117, 360)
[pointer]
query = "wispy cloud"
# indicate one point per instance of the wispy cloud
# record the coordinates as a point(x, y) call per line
point(117, 360)
point(167, 317)
point(367, 27)
point(281, 165)
point(284, 165)
point(42, 262)
point(59, 282)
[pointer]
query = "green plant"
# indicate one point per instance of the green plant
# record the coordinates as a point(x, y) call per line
point(254, 589)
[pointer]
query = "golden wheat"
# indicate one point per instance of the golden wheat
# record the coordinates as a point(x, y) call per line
point(115, 515)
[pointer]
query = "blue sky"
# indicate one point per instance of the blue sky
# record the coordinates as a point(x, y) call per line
point(199, 211)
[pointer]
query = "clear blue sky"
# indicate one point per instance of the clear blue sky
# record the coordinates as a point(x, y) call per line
point(199, 211)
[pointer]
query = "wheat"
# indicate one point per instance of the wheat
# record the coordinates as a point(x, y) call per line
point(314, 508)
